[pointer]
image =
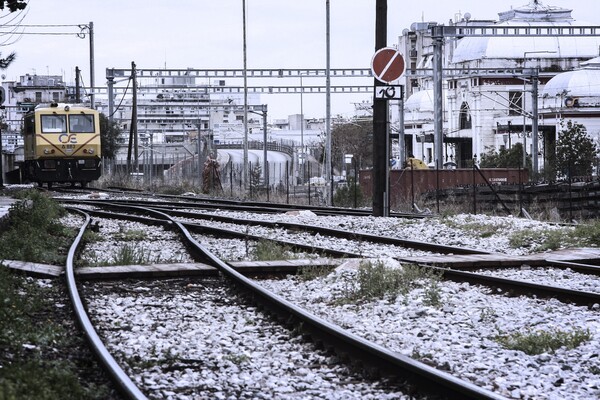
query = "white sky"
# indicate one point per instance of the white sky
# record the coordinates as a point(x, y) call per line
point(208, 34)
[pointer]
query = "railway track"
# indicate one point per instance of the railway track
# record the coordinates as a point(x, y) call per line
point(426, 378)
point(211, 203)
point(511, 286)
point(207, 229)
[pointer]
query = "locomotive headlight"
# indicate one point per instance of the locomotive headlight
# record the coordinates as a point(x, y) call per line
point(47, 151)
point(88, 151)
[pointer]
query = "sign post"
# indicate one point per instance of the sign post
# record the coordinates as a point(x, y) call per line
point(387, 66)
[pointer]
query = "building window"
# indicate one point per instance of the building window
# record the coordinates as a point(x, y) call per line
point(464, 117)
point(515, 103)
point(38, 97)
point(56, 96)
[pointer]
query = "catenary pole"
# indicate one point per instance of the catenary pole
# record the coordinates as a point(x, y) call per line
point(380, 114)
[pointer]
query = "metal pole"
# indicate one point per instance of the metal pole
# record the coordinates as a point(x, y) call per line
point(245, 166)
point(92, 81)
point(438, 43)
point(266, 162)
point(401, 144)
point(77, 86)
point(329, 177)
point(534, 120)
point(110, 77)
point(1, 161)
point(524, 127)
point(380, 121)
point(302, 131)
point(386, 197)
point(134, 128)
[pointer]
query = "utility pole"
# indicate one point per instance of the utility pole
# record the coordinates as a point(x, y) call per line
point(534, 121)
point(380, 118)
point(328, 172)
point(438, 103)
point(245, 166)
point(92, 84)
point(77, 86)
point(133, 139)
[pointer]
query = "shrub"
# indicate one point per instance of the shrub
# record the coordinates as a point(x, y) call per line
point(376, 281)
point(266, 250)
point(543, 341)
point(33, 232)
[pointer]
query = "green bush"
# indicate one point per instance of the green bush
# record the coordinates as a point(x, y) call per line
point(539, 342)
point(376, 281)
point(33, 344)
point(588, 234)
point(33, 231)
point(345, 195)
point(266, 250)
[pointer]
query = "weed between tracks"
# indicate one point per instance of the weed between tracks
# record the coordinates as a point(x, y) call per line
point(41, 354)
point(32, 231)
point(40, 357)
point(266, 250)
point(377, 281)
point(538, 342)
point(583, 235)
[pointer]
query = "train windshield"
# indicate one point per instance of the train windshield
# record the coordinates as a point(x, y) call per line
point(81, 123)
point(54, 123)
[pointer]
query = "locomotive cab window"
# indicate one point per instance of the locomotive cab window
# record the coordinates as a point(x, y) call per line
point(53, 123)
point(82, 123)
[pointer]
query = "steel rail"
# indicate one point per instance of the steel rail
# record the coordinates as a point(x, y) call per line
point(577, 267)
point(259, 207)
point(508, 285)
point(412, 244)
point(427, 378)
point(124, 384)
point(406, 243)
point(526, 288)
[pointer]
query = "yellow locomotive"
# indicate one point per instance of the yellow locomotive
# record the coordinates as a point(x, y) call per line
point(62, 145)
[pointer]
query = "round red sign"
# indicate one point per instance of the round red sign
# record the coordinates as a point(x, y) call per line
point(387, 64)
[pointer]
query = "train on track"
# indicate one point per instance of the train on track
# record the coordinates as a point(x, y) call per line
point(61, 145)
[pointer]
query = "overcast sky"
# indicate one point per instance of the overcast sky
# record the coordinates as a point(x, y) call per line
point(208, 34)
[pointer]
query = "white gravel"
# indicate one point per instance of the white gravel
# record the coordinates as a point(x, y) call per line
point(458, 336)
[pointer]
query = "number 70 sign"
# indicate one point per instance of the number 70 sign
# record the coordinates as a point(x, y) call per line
point(389, 92)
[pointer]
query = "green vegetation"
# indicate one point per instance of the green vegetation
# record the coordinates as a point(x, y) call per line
point(504, 158)
point(587, 234)
point(540, 240)
point(33, 232)
point(377, 281)
point(475, 228)
point(36, 346)
point(133, 255)
point(575, 150)
point(311, 272)
point(33, 344)
point(349, 195)
point(266, 250)
point(130, 235)
point(539, 342)
point(584, 235)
